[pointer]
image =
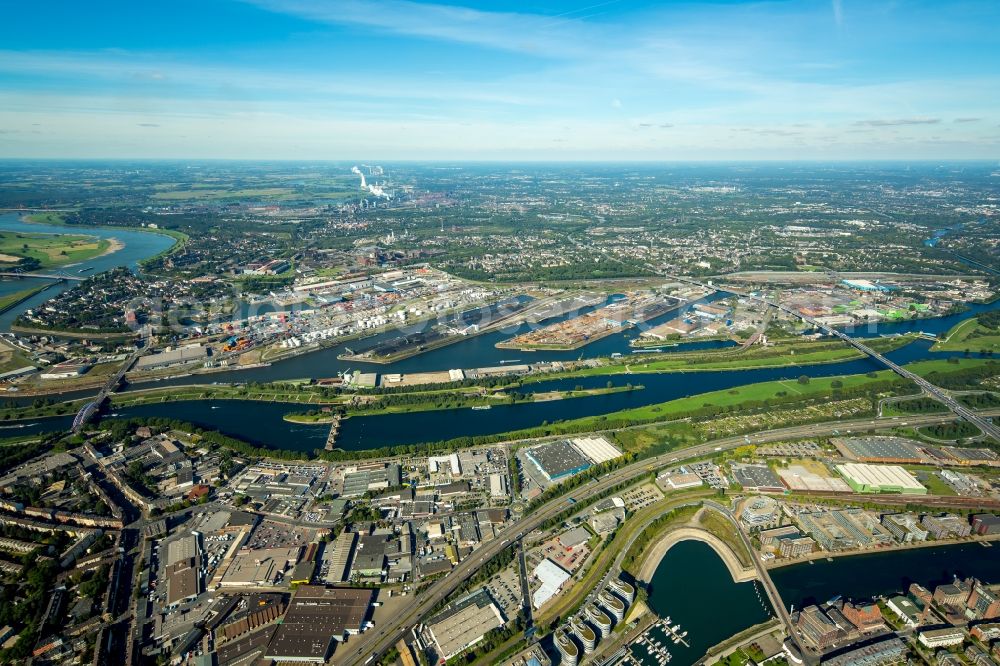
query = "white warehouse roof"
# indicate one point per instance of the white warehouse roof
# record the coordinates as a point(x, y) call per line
point(596, 449)
point(879, 475)
point(552, 576)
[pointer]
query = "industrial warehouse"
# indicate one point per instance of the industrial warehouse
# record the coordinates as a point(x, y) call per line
point(559, 460)
point(317, 616)
point(464, 623)
point(880, 479)
point(173, 357)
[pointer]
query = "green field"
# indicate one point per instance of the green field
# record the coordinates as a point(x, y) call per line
point(45, 218)
point(935, 484)
point(197, 193)
point(12, 358)
point(969, 334)
point(9, 300)
point(732, 402)
point(50, 250)
point(785, 354)
point(817, 387)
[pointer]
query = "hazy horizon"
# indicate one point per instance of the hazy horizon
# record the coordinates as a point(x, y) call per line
point(607, 81)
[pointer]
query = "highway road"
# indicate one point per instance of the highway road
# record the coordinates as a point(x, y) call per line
point(987, 427)
point(376, 641)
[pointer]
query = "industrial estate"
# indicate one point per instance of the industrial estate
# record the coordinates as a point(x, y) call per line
point(373, 454)
point(401, 333)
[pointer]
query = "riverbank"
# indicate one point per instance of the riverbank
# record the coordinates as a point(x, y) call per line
point(475, 399)
point(786, 354)
point(310, 419)
point(969, 335)
point(276, 393)
point(652, 343)
point(13, 300)
point(50, 250)
point(938, 543)
point(56, 218)
point(137, 244)
point(82, 335)
point(651, 563)
point(114, 245)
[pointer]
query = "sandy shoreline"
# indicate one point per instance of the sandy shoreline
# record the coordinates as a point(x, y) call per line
point(113, 246)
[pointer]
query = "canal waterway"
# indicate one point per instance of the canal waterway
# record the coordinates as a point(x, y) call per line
point(862, 577)
point(695, 589)
point(262, 423)
point(476, 351)
point(480, 351)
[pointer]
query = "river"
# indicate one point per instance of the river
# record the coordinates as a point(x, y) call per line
point(261, 422)
point(139, 245)
point(480, 351)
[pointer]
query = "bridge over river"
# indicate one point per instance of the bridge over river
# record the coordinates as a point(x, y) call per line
point(986, 426)
point(45, 276)
point(88, 411)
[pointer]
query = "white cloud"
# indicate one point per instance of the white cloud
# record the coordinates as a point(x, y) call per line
point(507, 31)
point(710, 74)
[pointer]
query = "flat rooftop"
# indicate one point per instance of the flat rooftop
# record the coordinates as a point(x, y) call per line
point(879, 476)
point(756, 476)
point(558, 459)
point(316, 616)
point(881, 448)
point(465, 623)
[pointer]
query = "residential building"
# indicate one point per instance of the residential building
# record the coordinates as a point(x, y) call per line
point(904, 527)
point(886, 651)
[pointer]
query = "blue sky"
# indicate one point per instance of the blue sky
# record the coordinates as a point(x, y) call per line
point(587, 80)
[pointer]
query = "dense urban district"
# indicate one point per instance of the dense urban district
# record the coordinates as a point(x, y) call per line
point(473, 414)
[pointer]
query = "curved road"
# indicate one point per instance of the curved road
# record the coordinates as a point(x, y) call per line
point(377, 641)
